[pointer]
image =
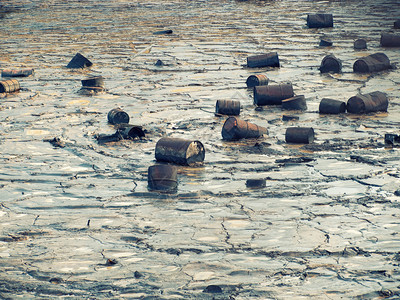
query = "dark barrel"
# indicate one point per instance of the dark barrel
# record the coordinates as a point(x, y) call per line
point(236, 129)
point(299, 135)
point(360, 44)
point(162, 178)
point(117, 116)
point(295, 103)
point(319, 20)
point(79, 61)
point(272, 94)
point(396, 24)
point(390, 40)
point(97, 81)
point(255, 80)
point(264, 60)
point(9, 86)
point(227, 107)
point(256, 183)
point(17, 73)
point(325, 42)
point(331, 106)
point(130, 132)
point(180, 151)
point(372, 63)
point(330, 64)
point(371, 102)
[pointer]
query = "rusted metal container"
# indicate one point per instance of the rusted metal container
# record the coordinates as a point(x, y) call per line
point(117, 116)
point(256, 183)
point(17, 73)
point(287, 118)
point(392, 139)
point(299, 135)
point(130, 132)
point(319, 20)
point(371, 102)
point(97, 81)
point(272, 94)
point(227, 107)
point(9, 86)
point(295, 103)
point(180, 151)
point(264, 60)
point(79, 61)
point(372, 63)
point(330, 64)
point(331, 106)
point(256, 80)
point(325, 42)
point(236, 129)
point(390, 40)
point(360, 44)
point(162, 178)
point(396, 24)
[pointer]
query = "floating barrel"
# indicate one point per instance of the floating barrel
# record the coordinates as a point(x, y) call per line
point(392, 139)
point(371, 102)
point(299, 135)
point(372, 63)
point(95, 81)
point(331, 106)
point(17, 73)
point(295, 103)
point(396, 24)
point(180, 151)
point(360, 44)
point(227, 107)
point(9, 86)
point(117, 116)
point(272, 94)
point(162, 178)
point(79, 61)
point(319, 20)
point(330, 64)
point(325, 42)
point(256, 183)
point(290, 118)
point(390, 40)
point(168, 31)
point(236, 129)
point(256, 80)
point(264, 60)
point(130, 132)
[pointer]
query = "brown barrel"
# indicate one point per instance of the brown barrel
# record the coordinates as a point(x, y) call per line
point(319, 20)
point(117, 116)
point(256, 80)
point(295, 103)
point(236, 129)
point(360, 44)
point(9, 86)
point(79, 61)
point(272, 94)
point(331, 106)
point(264, 60)
point(162, 178)
point(227, 107)
point(299, 135)
point(180, 151)
point(17, 73)
point(390, 40)
point(330, 64)
point(372, 63)
point(372, 102)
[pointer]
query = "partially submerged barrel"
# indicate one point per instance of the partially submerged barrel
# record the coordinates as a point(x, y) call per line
point(330, 64)
point(371, 102)
point(319, 20)
point(295, 103)
point(256, 80)
point(227, 107)
point(331, 106)
point(97, 81)
point(256, 183)
point(180, 151)
point(117, 116)
point(79, 61)
point(263, 60)
point(130, 132)
point(236, 129)
point(9, 86)
point(372, 63)
point(272, 94)
point(360, 44)
point(299, 135)
point(390, 40)
point(162, 178)
point(17, 73)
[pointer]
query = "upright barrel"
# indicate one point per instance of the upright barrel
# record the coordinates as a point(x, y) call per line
point(272, 94)
point(9, 86)
point(371, 102)
point(162, 178)
point(299, 135)
point(372, 63)
point(180, 151)
point(227, 107)
point(117, 116)
point(330, 64)
point(319, 20)
point(264, 60)
point(256, 80)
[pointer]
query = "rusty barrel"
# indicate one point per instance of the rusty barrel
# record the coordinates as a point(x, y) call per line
point(331, 106)
point(227, 107)
point(95, 81)
point(256, 80)
point(130, 132)
point(390, 40)
point(264, 60)
point(162, 178)
point(180, 151)
point(17, 73)
point(9, 86)
point(272, 94)
point(319, 20)
point(117, 116)
point(330, 64)
point(79, 61)
point(372, 63)
point(256, 183)
point(236, 129)
point(360, 44)
point(299, 135)
point(371, 102)
point(295, 103)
